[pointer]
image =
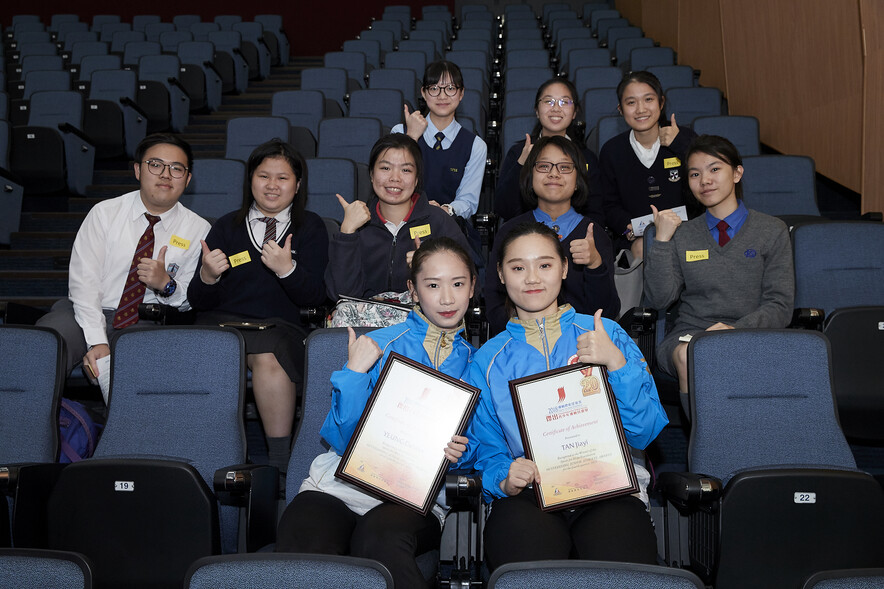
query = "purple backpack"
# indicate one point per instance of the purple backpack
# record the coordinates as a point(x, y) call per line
point(77, 432)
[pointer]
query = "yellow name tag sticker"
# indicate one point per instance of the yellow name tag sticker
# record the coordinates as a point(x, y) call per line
point(240, 258)
point(696, 255)
point(179, 242)
point(671, 162)
point(421, 231)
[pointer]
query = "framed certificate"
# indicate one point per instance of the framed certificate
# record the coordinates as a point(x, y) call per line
point(571, 429)
point(396, 452)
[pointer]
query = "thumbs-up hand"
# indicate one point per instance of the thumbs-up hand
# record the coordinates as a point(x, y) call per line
point(525, 150)
point(362, 352)
point(596, 347)
point(415, 123)
point(666, 222)
point(215, 264)
point(667, 134)
point(584, 252)
point(410, 255)
point(356, 214)
point(153, 272)
point(278, 258)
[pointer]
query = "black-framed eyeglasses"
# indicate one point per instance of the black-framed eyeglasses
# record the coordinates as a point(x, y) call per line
point(436, 90)
point(562, 102)
point(157, 167)
point(561, 167)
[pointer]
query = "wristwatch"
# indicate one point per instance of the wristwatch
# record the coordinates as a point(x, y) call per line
point(448, 209)
point(169, 289)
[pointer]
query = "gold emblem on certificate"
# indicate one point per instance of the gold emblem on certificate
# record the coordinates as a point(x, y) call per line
point(397, 450)
point(571, 429)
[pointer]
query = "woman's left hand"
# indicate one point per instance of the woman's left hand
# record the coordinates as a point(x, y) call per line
point(667, 134)
point(596, 347)
point(278, 258)
point(455, 448)
point(584, 252)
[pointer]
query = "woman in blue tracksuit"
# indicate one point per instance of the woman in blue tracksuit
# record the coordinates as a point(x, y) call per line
point(333, 517)
point(542, 336)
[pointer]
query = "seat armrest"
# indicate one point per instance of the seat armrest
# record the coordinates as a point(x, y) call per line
point(68, 128)
point(639, 320)
point(126, 101)
point(808, 318)
point(689, 491)
point(463, 490)
point(256, 488)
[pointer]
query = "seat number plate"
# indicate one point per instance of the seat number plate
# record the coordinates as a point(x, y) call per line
point(130, 486)
point(805, 498)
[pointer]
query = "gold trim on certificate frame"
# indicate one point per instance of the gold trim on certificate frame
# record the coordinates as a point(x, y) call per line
point(571, 429)
point(396, 452)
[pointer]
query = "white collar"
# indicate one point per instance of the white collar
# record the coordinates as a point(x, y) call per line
point(646, 156)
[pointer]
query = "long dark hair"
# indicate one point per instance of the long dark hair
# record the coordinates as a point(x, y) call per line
point(577, 127)
point(272, 149)
point(570, 149)
point(521, 230)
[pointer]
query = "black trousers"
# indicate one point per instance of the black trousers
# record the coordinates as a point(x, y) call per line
point(617, 529)
point(316, 522)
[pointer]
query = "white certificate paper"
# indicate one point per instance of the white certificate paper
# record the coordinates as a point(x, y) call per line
point(571, 429)
point(397, 451)
point(639, 224)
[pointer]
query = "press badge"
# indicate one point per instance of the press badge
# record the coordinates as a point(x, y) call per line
point(240, 258)
point(671, 162)
point(696, 255)
point(179, 242)
point(420, 231)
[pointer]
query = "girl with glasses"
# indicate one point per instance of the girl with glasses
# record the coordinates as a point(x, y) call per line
point(555, 189)
point(557, 110)
point(454, 158)
point(642, 166)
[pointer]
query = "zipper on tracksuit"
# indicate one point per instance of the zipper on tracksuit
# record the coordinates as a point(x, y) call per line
point(390, 264)
point(541, 324)
point(440, 343)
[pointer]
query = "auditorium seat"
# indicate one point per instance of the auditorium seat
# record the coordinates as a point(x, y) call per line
point(402, 80)
point(622, 49)
point(779, 185)
point(160, 93)
point(581, 58)
point(253, 44)
point(742, 131)
point(690, 103)
point(112, 118)
point(244, 134)
point(333, 83)
point(591, 573)
point(25, 568)
point(675, 76)
point(275, 34)
point(327, 177)
point(641, 58)
point(215, 188)
point(354, 62)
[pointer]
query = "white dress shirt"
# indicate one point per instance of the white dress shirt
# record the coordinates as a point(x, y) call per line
point(257, 227)
point(103, 250)
point(646, 156)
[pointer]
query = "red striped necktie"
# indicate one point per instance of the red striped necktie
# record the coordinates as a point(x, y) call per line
point(269, 230)
point(133, 292)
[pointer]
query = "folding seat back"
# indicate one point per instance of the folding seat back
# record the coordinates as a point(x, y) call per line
point(20, 28)
point(425, 46)
point(598, 15)
point(273, 31)
point(472, 106)
point(416, 61)
point(94, 63)
point(4, 152)
point(642, 58)
point(434, 36)
point(514, 130)
point(170, 40)
point(386, 39)
point(99, 20)
point(34, 63)
point(442, 28)
point(25, 568)
point(253, 42)
point(586, 78)
point(675, 76)
point(567, 29)
point(320, 571)
point(598, 103)
point(608, 128)
point(227, 21)
point(330, 176)
point(112, 118)
point(527, 58)
point(352, 61)
point(371, 49)
point(846, 579)
point(183, 22)
point(591, 573)
point(29, 37)
point(350, 138)
point(30, 394)
point(393, 26)
point(474, 59)
point(302, 108)
point(777, 184)
point(473, 79)
point(400, 13)
point(581, 57)
point(610, 32)
point(690, 103)
point(742, 131)
point(215, 188)
point(66, 28)
point(332, 82)
point(108, 30)
point(56, 19)
point(140, 21)
point(37, 49)
point(199, 74)
point(462, 44)
point(134, 51)
point(527, 78)
point(164, 69)
point(121, 38)
point(589, 7)
point(382, 104)
point(522, 31)
point(86, 48)
point(623, 49)
point(42, 81)
point(551, 8)
point(78, 37)
point(475, 33)
point(201, 30)
point(244, 134)
point(167, 432)
point(519, 103)
point(230, 58)
point(794, 478)
point(395, 79)
point(153, 31)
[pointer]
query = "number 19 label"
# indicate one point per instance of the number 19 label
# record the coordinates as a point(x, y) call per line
point(130, 486)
